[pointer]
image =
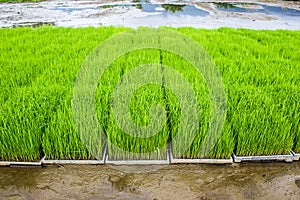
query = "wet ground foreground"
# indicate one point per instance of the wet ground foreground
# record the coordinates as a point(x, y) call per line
point(238, 181)
point(261, 14)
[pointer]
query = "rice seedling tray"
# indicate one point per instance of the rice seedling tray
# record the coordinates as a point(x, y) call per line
point(254, 104)
point(72, 162)
point(17, 163)
point(138, 162)
point(286, 158)
point(141, 161)
point(45, 161)
point(296, 155)
point(200, 160)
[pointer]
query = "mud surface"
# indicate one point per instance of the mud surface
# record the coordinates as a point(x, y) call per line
point(262, 14)
point(242, 181)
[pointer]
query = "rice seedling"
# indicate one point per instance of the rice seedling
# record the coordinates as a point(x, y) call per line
point(38, 68)
point(260, 71)
point(124, 144)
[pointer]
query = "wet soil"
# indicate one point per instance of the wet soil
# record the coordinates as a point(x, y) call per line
point(238, 181)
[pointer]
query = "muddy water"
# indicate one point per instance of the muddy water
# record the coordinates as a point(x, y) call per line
point(243, 181)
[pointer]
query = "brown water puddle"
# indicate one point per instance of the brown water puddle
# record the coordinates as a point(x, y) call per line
point(242, 181)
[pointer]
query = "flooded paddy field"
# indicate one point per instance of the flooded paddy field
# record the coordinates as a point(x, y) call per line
point(153, 13)
point(242, 181)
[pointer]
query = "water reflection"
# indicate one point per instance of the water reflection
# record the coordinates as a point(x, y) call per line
point(257, 8)
point(173, 7)
point(224, 5)
point(166, 9)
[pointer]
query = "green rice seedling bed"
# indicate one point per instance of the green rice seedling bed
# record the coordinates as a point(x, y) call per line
point(38, 68)
point(120, 143)
point(255, 67)
point(260, 71)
